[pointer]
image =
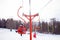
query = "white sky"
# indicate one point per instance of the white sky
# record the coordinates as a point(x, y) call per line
point(8, 9)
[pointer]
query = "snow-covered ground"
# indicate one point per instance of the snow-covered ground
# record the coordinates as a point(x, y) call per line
point(6, 34)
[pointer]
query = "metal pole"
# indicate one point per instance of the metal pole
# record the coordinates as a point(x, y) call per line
point(30, 28)
point(30, 20)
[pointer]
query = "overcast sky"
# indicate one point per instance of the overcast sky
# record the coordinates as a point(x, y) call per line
point(47, 9)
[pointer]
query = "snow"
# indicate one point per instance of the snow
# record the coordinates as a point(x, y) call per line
point(6, 34)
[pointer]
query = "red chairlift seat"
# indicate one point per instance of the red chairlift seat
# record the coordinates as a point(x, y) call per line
point(21, 30)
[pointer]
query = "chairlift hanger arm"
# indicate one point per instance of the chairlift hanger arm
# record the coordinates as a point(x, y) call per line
point(19, 15)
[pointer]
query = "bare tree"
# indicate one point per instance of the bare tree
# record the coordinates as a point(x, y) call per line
point(9, 24)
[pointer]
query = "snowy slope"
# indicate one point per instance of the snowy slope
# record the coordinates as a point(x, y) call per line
point(5, 34)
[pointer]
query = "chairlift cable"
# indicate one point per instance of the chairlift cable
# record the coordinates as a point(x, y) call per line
point(46, 4)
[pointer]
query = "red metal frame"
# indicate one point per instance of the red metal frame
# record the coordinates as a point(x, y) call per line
point(32, 16)
point(29, 17)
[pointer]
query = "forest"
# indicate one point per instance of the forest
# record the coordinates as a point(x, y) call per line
point(52, 27)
